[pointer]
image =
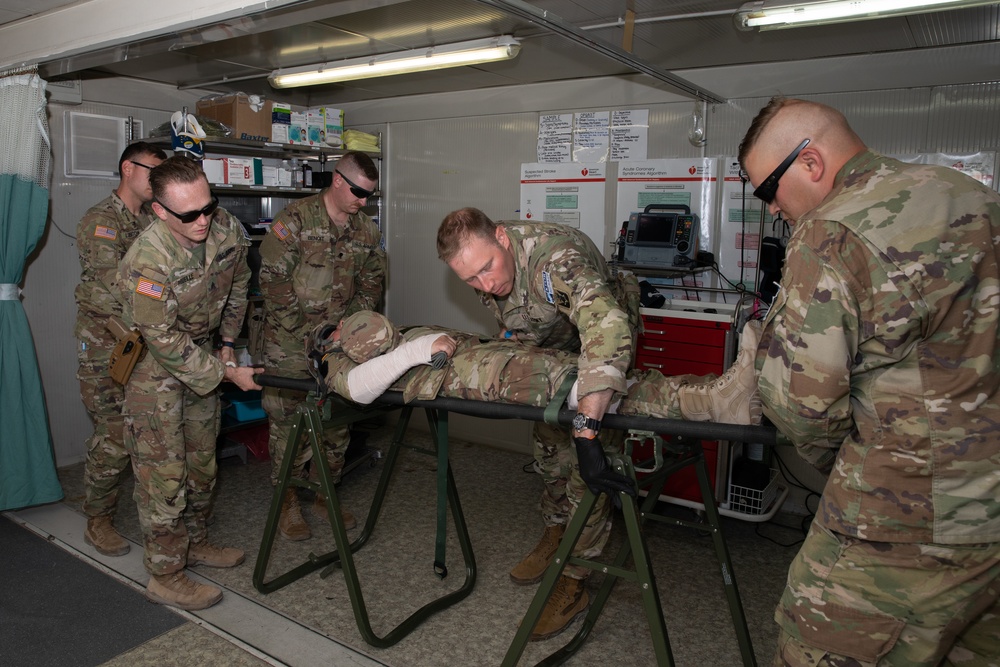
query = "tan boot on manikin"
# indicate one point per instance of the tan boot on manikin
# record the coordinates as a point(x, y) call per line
point(178, 590)
point(291, 524)
point(532, 567)
point(733, 397)
point(101, 535)
point(569, 600)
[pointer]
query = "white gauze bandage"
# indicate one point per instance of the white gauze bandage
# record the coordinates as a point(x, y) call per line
point(369, 380)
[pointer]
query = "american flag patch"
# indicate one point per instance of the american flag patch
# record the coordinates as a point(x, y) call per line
point(149, 288)
point(103, 232)
point(280, 230)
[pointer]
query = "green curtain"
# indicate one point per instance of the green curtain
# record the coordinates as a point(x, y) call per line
point(27, 465)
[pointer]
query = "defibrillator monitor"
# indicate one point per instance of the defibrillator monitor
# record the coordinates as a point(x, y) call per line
point(663, 236)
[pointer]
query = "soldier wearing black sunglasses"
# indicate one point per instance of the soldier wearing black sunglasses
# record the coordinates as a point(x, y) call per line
point(322, 260)
point(878, 361)
point(183, 281)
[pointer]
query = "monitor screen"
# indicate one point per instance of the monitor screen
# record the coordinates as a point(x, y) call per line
point(655, 229)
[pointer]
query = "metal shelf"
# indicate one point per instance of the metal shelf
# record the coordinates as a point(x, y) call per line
point(263, 148)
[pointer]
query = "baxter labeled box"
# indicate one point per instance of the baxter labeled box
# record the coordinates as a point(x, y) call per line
point(249, 116)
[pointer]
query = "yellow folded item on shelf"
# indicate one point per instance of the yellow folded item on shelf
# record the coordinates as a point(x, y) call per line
point(357, 140)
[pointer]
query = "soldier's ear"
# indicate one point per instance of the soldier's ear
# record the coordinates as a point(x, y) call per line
point(158, 209)
point(502, 238)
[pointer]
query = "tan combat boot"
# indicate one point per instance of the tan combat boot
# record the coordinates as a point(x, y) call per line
point(531, 569)
point(101, 535)
point(291, 525)
point(733, 397)
point(319, 509)
point(210, 555)
point(178, 590)
point(569, 600)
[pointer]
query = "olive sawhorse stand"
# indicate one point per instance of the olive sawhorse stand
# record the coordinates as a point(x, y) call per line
point(309, 425)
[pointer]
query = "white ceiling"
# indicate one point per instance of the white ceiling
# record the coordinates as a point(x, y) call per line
point(675, 43)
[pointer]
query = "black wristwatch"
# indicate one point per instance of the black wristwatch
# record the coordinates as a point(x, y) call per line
point(582, 422)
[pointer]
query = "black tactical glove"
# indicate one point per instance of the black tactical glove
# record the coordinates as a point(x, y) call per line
point(597, 474)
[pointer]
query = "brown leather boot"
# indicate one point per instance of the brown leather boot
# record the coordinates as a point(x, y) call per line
point(210, 555)
point(319, 509)
point(291, 525)
point(101, 535)
point(569, 600)
point(531, 569)
point(178, 590)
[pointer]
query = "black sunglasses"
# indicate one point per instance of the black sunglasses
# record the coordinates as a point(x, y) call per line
point(139, 164)
point(356, 190)
point(767, 190)
point(191, 216)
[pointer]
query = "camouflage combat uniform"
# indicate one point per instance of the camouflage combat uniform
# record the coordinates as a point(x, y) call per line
point(312, 272)
point(564, 297)
point(502, 371)
point(879, 360)
point(177, 299)
point(103, 237)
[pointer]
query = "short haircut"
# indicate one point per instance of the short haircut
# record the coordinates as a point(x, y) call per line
point(361, 162)
point(461, 225)
point(176, 169)
point(138, 149)
point(761, 121)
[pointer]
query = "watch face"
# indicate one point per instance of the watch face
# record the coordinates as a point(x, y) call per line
point(579, 421)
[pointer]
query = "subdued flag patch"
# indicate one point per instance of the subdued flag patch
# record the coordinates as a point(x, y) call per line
point(149, 288)
point(103, 232)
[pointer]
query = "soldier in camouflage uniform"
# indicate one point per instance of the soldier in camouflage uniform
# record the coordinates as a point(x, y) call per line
point(184, 279)
point(549, 286)
point(322, 259)
point(879, 361)
point(366, 355)
point(103, 236)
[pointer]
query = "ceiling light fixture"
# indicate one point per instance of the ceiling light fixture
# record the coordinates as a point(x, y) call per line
point(486, 50)
point(774, 14)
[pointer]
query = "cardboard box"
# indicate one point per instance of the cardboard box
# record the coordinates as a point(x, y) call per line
point(239, 171)
point(281, 121)
point(297, 133)
point(315, 127)
point(334, 120)
point(249, 122)
point(215, 170)
point(269, 175)
point(284, 178)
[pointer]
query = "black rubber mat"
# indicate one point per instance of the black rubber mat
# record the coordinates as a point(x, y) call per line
point(57, 610)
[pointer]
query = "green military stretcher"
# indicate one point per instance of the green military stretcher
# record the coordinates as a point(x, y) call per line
point(682, 450)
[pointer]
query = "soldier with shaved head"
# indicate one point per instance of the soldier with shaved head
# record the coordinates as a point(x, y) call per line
point(879, 360)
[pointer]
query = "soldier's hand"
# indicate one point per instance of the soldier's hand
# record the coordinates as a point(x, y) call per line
point(445, 344)
point(243, 376)
point(597, 473)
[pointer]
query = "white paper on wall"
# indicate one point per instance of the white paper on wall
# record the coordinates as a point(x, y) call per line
point(567, 193)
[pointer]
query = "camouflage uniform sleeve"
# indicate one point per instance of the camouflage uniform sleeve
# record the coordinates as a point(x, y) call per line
point(338, 367)
point(156, 317)
point(369, 281)
point(811, 338)
point(236, 305)
point(568, 279)
point(279, 254)
point(98, 239)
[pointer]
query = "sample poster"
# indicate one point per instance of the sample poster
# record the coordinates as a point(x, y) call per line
point(570, 194)
point(555, 138)
point(629, 134)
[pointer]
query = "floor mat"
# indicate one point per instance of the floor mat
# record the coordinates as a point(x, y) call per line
point(57, 610)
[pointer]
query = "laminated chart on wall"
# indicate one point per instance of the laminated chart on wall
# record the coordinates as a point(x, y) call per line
point(629, 134)
point(569, 193)
point(980, 166)
point(555, 137)
point(591, 136)
point(739, 226)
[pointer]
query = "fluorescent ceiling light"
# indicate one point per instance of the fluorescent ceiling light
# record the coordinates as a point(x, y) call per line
point(417, 60)
point(774, 14)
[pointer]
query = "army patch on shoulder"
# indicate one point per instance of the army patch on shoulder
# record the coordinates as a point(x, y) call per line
point(103, 232)
point(547, 287)
point(280, 230)
point(149, 288)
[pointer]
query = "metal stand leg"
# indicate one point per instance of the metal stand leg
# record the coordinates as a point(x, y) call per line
point(343, 558)
point(642, 573)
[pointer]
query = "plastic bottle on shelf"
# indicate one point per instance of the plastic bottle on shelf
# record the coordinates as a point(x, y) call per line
point(296, 174)
point(307, 175)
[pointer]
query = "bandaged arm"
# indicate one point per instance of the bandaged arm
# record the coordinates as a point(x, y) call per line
point(369, 380)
